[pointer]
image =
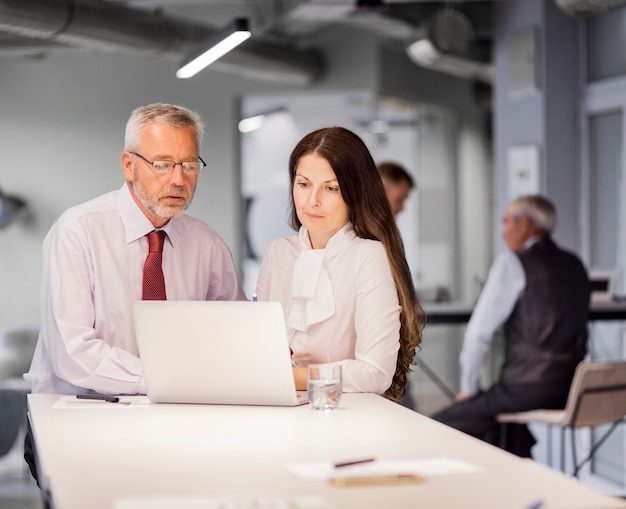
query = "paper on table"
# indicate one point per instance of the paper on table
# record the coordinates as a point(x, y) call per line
point(423, 467)
point(71, 402)
point(238, 501)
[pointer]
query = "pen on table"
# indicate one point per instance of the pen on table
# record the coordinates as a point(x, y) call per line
point(353, 462)
point(536, 505)
point(101, 397)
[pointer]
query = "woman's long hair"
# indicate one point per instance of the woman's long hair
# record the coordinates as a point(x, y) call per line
point(370, 214)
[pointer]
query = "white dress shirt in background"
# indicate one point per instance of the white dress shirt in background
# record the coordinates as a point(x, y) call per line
point(340, 305)
point(92, 272)
point(505, 283)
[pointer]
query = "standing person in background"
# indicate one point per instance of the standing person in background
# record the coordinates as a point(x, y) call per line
point(94, 255)
point(343, 280)
point(398, 184)
point(541, 295)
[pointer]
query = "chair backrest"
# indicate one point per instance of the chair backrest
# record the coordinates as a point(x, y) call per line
point(597, 394)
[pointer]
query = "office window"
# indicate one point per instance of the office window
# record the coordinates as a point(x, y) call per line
point(420, 137)
point(606, 39)
point(605, 135)
point(604, 139)
point(605, 186)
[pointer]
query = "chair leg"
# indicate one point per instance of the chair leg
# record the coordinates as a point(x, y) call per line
point(549, 445)
point(574, 459)
point(563, 449)
point(595, 447)
point(502, 438)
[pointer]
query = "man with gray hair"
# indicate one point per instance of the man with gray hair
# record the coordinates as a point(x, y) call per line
point(96, 254)
point(540, 293)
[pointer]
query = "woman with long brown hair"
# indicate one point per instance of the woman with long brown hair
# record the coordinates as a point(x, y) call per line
point(343, 281)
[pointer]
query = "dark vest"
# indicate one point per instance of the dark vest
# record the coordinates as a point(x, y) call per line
point(546, 335)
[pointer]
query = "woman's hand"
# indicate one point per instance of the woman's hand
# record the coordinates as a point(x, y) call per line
point(300, 376)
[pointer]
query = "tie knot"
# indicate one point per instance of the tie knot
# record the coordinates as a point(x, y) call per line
point(155, 241)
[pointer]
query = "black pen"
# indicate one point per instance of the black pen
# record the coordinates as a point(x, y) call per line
point(101, 397)
point(354, 462)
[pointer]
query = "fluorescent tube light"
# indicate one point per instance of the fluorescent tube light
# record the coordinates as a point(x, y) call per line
point(215, 47)
point(252, 123)
point(423, 52)
point(247, 125)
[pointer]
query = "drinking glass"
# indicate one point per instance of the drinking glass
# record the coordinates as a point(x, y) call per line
point(324, 386)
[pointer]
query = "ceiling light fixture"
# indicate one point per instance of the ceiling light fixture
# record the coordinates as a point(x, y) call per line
point(254, 122)
point(215, 47)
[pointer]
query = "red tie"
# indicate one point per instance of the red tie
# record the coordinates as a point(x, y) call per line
point(153, 280)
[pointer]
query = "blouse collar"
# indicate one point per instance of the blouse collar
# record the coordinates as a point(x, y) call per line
point(312, 297)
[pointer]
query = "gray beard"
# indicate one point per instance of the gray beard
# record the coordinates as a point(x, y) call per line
point(156, 208)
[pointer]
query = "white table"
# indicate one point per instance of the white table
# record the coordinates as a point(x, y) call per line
point(460, 313)
point(91, 457)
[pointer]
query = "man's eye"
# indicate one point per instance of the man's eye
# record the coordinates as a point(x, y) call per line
point(160, 165)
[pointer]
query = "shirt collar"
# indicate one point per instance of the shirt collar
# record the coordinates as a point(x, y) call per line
point(532, 241)
point(345, 233)
point(136, 224)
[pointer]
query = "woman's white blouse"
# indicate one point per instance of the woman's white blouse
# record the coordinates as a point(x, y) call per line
point(340, 305)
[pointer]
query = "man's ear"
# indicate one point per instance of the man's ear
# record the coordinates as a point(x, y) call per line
point(127, 166)
point(527, 227)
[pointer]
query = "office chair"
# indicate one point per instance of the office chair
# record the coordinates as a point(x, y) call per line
point(13, 414)
point(597, 396)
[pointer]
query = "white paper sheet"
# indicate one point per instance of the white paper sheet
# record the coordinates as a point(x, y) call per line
point(423, 467)
point(71, 402)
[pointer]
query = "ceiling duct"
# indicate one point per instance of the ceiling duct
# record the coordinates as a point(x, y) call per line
point(581, 8)
point(106, 26)
point(442, 43)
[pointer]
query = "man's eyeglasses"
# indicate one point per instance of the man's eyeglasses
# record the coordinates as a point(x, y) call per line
point(166, 167)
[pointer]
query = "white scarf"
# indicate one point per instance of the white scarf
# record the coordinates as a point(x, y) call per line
point(312, 298)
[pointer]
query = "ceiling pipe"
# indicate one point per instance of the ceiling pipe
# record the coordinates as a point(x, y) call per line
point(106, 26)
point(440, 44)
point(581, 8)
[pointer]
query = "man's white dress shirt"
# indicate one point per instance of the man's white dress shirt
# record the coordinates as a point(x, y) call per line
point(93, 259)
point(505, 283)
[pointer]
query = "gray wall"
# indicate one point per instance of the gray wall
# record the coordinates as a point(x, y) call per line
point(547, 117)
point(62, 128)
point(63, 117)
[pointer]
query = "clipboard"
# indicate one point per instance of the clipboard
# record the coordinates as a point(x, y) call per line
point(377, 480)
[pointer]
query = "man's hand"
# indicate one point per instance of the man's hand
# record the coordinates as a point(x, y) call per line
point(462, 397)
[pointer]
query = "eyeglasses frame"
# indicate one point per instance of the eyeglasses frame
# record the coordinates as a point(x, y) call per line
point(151, 163)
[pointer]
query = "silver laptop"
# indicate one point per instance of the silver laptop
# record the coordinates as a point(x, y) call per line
point(215, 352)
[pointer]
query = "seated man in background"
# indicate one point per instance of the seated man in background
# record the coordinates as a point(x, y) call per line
point(94, 257)
point(541, 295)
point(398, 184)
